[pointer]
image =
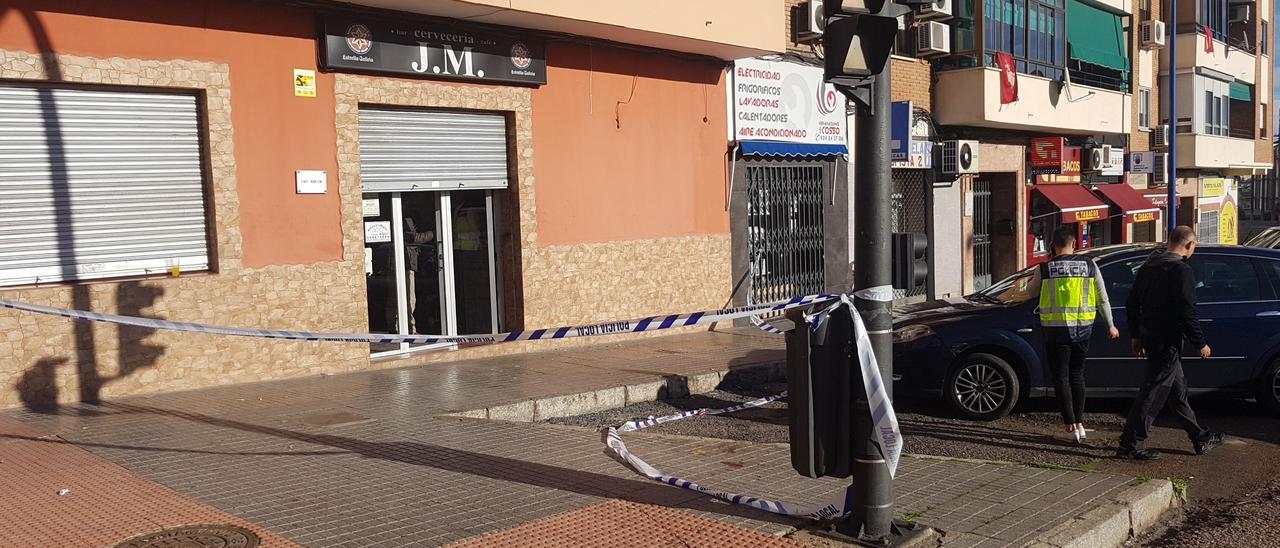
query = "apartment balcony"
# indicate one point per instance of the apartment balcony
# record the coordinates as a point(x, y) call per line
point(971, 97)
point(1232, 57)
point(751, 28)
point(1232, 154)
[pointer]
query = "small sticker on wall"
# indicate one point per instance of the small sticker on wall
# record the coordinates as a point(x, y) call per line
point(304, 83)
point(377, 232)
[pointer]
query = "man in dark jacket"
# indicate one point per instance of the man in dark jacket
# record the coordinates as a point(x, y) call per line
point(1161, 311)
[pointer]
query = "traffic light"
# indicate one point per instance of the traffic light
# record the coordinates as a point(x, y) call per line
point(858, 38)
point(820, 386)
point(910, 260)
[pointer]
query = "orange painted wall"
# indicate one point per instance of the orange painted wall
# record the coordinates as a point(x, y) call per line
point(275, 132)
point(628, 146)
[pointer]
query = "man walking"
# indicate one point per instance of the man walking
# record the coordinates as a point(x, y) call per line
point(1162, 315)
point(1071, 296)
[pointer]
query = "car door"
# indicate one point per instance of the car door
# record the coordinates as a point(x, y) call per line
point(1111, 365)
point(1231, 299)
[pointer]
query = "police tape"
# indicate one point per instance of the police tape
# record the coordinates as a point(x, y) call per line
point(766, 326)
point(838, 505)
point(651, 323)
point(888, 435)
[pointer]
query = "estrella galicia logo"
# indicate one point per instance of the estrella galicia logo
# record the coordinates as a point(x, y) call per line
point(827, 100)
point(359, 39)
point(520, 56)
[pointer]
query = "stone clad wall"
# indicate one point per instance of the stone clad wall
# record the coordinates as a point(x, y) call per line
point(49, 359)
point(557, 285)
point(44, 360)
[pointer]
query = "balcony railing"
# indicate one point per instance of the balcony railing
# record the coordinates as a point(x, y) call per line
point(1084, 74)
point(1234, 40)
point(1240, 133)
point(1081, 73)
point(1029, 67)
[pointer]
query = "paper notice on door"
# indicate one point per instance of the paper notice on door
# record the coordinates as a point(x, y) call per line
point(372, 208)
point(368, 261)
point(377, 232)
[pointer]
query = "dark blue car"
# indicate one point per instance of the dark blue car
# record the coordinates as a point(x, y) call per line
point(983, 354)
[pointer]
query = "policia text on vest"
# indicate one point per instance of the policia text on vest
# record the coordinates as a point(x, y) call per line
point(1072, 294)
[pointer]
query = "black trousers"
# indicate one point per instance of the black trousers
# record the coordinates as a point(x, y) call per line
point(1066, 363)
point(1163, 386)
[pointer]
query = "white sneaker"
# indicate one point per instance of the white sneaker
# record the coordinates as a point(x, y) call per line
point(1082, 433)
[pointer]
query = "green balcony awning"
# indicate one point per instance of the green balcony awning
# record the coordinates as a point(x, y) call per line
point(1096, 36)
point(1241, 91)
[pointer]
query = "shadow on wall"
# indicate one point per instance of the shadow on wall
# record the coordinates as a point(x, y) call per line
point(38, 386)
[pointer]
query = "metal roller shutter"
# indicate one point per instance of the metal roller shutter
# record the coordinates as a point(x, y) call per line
point(99, 184)
point(404, 150)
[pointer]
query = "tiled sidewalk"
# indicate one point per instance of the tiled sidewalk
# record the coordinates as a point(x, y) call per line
point(56, 494)
point(367, 459)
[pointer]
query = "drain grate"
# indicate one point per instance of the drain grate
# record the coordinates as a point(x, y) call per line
point(195, 536)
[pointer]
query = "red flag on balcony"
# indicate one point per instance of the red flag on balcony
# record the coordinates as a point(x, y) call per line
point(1008, 78)
point(1208, 39)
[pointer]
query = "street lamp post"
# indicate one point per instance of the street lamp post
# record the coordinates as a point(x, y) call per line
point(1172, 141)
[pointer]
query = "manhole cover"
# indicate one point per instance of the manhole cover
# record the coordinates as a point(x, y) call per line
point(195, 536)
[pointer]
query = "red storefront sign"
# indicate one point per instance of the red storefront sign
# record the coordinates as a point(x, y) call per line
point(1070, 172)
point(1046, 155)
point(1079, 216)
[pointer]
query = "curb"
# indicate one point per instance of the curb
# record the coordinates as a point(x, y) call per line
point(1118, 520)
point(593, 401)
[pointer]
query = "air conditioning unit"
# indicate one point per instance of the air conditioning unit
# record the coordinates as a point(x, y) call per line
point(1097, 158)
point(941, 9)
point(1152, 34)
point(811, 21)
point(1160, 169)
point(1238, 14)
point(933, 38)
point(959, 157)
point(1160, 136)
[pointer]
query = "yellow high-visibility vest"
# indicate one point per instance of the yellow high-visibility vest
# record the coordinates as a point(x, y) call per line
point(1068, 293)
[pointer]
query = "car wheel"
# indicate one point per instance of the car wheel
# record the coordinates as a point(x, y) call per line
point(982, 387)
point(1268, 391)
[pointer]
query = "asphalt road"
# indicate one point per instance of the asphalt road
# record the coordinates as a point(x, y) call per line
point(1233, 492)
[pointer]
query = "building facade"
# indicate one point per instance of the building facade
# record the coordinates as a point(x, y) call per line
point(1066, 102)
point(477, 166)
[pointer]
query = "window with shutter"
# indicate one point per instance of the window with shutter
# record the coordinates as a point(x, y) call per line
point(99, 184)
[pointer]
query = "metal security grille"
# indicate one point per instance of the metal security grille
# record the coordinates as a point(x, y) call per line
point(99, 184)
point(784, 231)
point(910, 211)
point(981, 234)
point(403, 150)
point(1208, 227)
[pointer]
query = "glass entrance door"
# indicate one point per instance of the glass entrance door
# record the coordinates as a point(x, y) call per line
point(430, 265)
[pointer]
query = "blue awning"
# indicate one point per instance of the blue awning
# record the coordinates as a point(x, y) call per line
point(778, 148)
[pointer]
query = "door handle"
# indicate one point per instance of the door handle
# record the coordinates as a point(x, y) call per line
point(1269, 314)
point(1025, 330)
point(1203, 320)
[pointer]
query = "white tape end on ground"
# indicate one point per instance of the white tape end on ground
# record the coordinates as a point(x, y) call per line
point(889, 437)
point(838, 503)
